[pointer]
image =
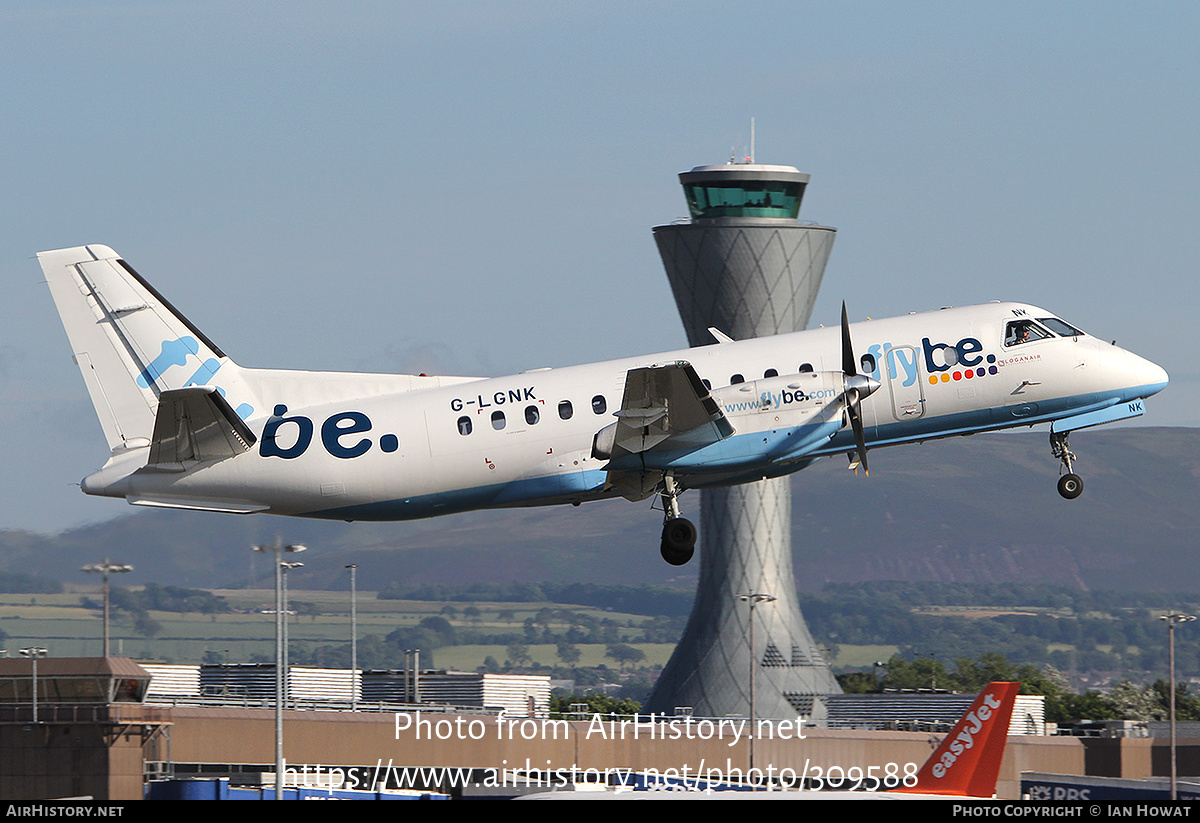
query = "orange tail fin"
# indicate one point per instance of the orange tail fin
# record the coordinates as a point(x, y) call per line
point(967, 763)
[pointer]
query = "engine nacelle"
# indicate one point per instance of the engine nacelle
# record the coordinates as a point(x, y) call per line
point(782, 402)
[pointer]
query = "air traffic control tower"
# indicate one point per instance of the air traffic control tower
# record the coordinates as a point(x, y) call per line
point(747, 266)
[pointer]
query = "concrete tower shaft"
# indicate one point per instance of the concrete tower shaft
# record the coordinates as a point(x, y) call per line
point(747, 266)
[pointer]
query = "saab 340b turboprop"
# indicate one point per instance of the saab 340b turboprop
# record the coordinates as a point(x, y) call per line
point(188, 428)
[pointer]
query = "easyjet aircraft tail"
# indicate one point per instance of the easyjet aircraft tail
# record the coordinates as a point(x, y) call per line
point(967, 763)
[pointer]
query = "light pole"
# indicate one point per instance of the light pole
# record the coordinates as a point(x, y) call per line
point(104, 570)
point(753, 599)
point(353, 567)
point(286, 566)
point(33, 653)
point(278, 548)
point(1171, 619)
point(933, 661)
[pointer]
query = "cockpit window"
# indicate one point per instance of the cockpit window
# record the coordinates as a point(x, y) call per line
point(1023, 331)
point(1059, 327)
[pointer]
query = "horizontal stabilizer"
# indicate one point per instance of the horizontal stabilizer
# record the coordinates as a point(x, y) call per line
point(224, 507)
point(194, 425)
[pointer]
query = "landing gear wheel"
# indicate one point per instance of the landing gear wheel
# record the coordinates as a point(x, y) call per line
point(1070, 486)
point(678, 541)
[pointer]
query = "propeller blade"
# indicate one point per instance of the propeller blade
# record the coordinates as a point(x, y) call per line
point(857, 387)
point(849, 366)
point(859, 440)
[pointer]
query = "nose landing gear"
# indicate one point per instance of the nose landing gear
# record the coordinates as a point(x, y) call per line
point(679, 533)
point(1070, 485)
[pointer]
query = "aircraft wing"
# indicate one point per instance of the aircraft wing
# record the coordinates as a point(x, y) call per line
point(667, 407)
point(196, 424)
point(663, 408)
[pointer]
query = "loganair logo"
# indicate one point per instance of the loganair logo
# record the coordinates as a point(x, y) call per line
point(972, 723)
point(175, 353)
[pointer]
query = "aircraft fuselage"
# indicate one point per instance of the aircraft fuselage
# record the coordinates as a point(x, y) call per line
point(381, 447)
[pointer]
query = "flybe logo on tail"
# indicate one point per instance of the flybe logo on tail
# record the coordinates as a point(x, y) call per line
point(175, 353)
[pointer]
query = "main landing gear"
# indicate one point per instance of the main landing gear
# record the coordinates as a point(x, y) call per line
point(1070, 485)
point(679, 533)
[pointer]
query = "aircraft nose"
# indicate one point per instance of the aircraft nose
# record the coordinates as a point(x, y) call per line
point(1142, 376)
point(1154, 376)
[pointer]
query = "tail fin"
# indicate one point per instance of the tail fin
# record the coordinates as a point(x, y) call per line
point(131, 345)
point(967, 763)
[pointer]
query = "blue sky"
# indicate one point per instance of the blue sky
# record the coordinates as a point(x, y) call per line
point(470, 187)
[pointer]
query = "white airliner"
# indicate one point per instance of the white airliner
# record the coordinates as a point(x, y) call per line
point(188, 428)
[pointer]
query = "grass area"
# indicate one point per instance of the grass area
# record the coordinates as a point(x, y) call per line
point(862, 656)
point(61, 624)
point(469, 658)
point(981, 612)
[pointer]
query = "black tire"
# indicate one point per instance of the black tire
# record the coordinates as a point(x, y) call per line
point(1070, 486)
point(678, 541)
point(676, 557)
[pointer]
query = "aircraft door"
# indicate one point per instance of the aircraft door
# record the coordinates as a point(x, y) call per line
point(905, 386)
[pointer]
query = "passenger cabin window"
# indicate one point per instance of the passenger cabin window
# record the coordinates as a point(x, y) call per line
point(770, 373)
point(806, 368)
point(599, 404)
point(498, 421)
point(531, 415)
point(737, 378)
point(565, 410)
point(868, 363)
point(707, 384)
point(1019, 332)
point(464, 426)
